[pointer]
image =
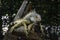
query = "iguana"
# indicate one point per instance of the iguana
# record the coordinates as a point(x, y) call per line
point(31, 18)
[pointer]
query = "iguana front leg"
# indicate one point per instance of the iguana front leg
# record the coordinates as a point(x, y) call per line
point(42, 30)
point(30, 26)
point(26, 28)
point(12, 28)
point(18, 23)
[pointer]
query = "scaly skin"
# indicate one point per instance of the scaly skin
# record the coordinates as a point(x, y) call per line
point(18, 23)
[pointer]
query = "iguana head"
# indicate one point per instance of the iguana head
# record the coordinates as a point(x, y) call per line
point(33, 16)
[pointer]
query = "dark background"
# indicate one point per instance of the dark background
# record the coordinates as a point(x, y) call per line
point(48, 9)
